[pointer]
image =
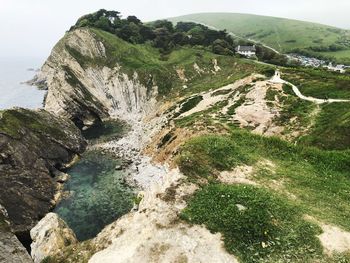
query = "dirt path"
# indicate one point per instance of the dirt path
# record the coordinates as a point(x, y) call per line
point(277, 79)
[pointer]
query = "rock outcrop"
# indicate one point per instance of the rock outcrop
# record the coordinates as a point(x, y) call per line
point(11, 250)
point(49, 236)
point(33, 145)
point(155, 234)
point(85, 88)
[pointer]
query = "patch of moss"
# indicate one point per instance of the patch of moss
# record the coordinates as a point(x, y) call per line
point(15, 122)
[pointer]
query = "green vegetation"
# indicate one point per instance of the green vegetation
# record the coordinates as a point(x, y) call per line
point(162, 34)
point(189, 105)
point(331, 129)
point(284, 35)
point(153, 67)
point(319, 83)
point(166, 37)
point(16, 122)
point(257, 226)
point(300, 180)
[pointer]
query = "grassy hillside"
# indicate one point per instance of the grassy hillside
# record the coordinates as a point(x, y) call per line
point(267, 222)
point(146, 60)
point(284, 35)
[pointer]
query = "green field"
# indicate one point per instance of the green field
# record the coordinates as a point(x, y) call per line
point(282, 34)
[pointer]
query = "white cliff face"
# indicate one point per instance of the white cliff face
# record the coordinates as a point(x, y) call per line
point(155, 234)
point(88, 91)
point(49, 236)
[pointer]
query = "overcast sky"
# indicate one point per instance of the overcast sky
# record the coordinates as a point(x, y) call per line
point(32, 27)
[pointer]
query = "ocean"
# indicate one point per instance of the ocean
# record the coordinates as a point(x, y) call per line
point(13, 71)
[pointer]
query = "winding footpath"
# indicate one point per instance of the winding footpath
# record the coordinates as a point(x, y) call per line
point(277, 79)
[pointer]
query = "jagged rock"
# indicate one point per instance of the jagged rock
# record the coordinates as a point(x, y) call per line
point(33, 145)
point(50, 236)
point(11, 250)
point(87, 92)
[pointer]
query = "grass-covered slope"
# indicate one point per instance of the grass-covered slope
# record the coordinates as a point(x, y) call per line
point(153, 67)
point(269, 221)
point(282, 34)
point(331, 127)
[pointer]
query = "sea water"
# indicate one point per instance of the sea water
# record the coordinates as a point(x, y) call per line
point(97, 192)
point(13, 72)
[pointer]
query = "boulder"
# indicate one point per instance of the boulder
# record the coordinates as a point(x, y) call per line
point(33, 145)
point(11, 250)
point(50, 236)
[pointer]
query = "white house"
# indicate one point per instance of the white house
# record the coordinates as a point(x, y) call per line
point(247, 51)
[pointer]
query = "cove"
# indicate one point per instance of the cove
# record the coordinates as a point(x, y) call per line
point(97, 192)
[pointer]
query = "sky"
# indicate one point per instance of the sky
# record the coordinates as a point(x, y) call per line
point(30, 28)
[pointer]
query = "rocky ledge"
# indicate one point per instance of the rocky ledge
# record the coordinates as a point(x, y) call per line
point(34, 146)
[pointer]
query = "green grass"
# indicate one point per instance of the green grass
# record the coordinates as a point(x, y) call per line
point(282, 34)
point(331, 129)
point(319, 83)
point(317, 179)
point(189, 104)
point(341, 56)
point(266, 229)
point(293, 107)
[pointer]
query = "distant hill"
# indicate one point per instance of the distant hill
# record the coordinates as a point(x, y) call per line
point(284, 35)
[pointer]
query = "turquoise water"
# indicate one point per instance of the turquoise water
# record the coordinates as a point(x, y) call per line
point(107, 130)
point(98, 197)
point(13, 71)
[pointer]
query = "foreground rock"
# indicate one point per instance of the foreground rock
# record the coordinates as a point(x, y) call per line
point(11, 250)
point(33, 145)
point(49, 236)
point(155, 234)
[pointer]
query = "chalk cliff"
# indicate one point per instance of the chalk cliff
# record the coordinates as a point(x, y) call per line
point(85, 88)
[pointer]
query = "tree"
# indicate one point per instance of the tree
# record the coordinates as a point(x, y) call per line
point(222, 47)
point(197, 35)
point(180, 38)
point(146, 33)
point(134, 20)
point(162, 39)
point(103, 23)
point(164, 24)
point(185, 26)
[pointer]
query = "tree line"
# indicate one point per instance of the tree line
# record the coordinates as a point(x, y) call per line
point(163, 35)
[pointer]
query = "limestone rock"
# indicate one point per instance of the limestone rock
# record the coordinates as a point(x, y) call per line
point(87, 92)
point(154, 233)
point(33, 144)
point(11, 250)
point(49, 236)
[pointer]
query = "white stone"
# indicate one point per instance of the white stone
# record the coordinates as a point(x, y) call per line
point(50, 236)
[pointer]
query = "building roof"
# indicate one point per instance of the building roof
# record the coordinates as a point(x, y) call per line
point(246, 48)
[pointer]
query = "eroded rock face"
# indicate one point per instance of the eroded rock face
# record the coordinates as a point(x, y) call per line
point(49, 236)
point(88, 92)
point(33, 145)
point(155, 234)
point(11, 250)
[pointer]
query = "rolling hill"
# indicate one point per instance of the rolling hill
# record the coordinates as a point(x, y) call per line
point(284, 35)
